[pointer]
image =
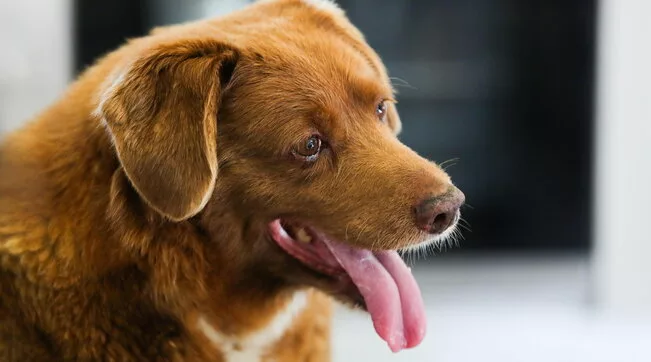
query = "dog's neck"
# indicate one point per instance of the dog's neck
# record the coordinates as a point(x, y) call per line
point(251, 346)
point(220, 297)
point(191, 270)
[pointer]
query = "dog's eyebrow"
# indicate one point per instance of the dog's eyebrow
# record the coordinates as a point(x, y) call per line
point(350, 40)
point(358, 48)
point(367, 87)
point(368, 60)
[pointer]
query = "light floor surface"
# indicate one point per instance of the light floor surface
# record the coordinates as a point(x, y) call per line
point(506, 309)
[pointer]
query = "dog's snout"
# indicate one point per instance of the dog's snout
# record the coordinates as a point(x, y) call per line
point(435, 215)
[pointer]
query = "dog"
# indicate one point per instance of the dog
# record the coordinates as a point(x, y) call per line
point(204, 193)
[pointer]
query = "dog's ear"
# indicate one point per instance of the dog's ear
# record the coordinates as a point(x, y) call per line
point(162, 116)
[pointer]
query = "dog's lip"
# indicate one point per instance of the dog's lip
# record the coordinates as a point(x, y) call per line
point(317, 258)
point(389, 290)
point(315, 254)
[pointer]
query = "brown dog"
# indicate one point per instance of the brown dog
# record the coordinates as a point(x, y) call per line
point(192, 195)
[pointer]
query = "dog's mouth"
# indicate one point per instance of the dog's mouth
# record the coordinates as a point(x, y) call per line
point(379, 280)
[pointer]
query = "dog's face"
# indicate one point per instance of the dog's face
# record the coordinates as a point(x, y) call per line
point(292, 133)
point(314, 144)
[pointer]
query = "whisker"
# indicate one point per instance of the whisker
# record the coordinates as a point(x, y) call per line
point(455, 159)
point(465, 228)
point(434, 249)
point(403, 83)
point(464, 224)
point(457, 236)
point(427, 251)
point(407, 256)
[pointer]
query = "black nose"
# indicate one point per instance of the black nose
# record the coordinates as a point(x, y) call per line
point(434, 215)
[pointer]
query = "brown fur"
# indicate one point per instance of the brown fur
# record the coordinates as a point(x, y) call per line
point(120, 225)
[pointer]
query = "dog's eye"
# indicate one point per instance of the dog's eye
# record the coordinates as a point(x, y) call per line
point(381, 111)
point(309, 149)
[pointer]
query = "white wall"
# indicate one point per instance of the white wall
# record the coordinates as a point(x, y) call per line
point(175, 11)
point(622, 261)
point(36, 59)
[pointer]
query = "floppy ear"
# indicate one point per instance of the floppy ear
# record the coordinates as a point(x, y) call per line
point(162, 116)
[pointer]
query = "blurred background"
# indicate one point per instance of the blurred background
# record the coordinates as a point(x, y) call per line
point(540, 109)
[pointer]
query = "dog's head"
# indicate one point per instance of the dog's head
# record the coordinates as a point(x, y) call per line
point(281, 122)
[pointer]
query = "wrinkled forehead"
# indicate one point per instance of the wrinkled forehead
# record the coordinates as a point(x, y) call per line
point(325, 72)
point(315, 86)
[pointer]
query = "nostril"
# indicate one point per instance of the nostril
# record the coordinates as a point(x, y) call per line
point(437, 214)
point(441, 222)
point(442, 219)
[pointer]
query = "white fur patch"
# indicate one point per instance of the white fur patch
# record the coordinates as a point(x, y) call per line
point(325, 5)
point(254, 346)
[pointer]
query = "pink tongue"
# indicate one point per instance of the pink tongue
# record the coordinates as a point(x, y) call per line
point(390, 291)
